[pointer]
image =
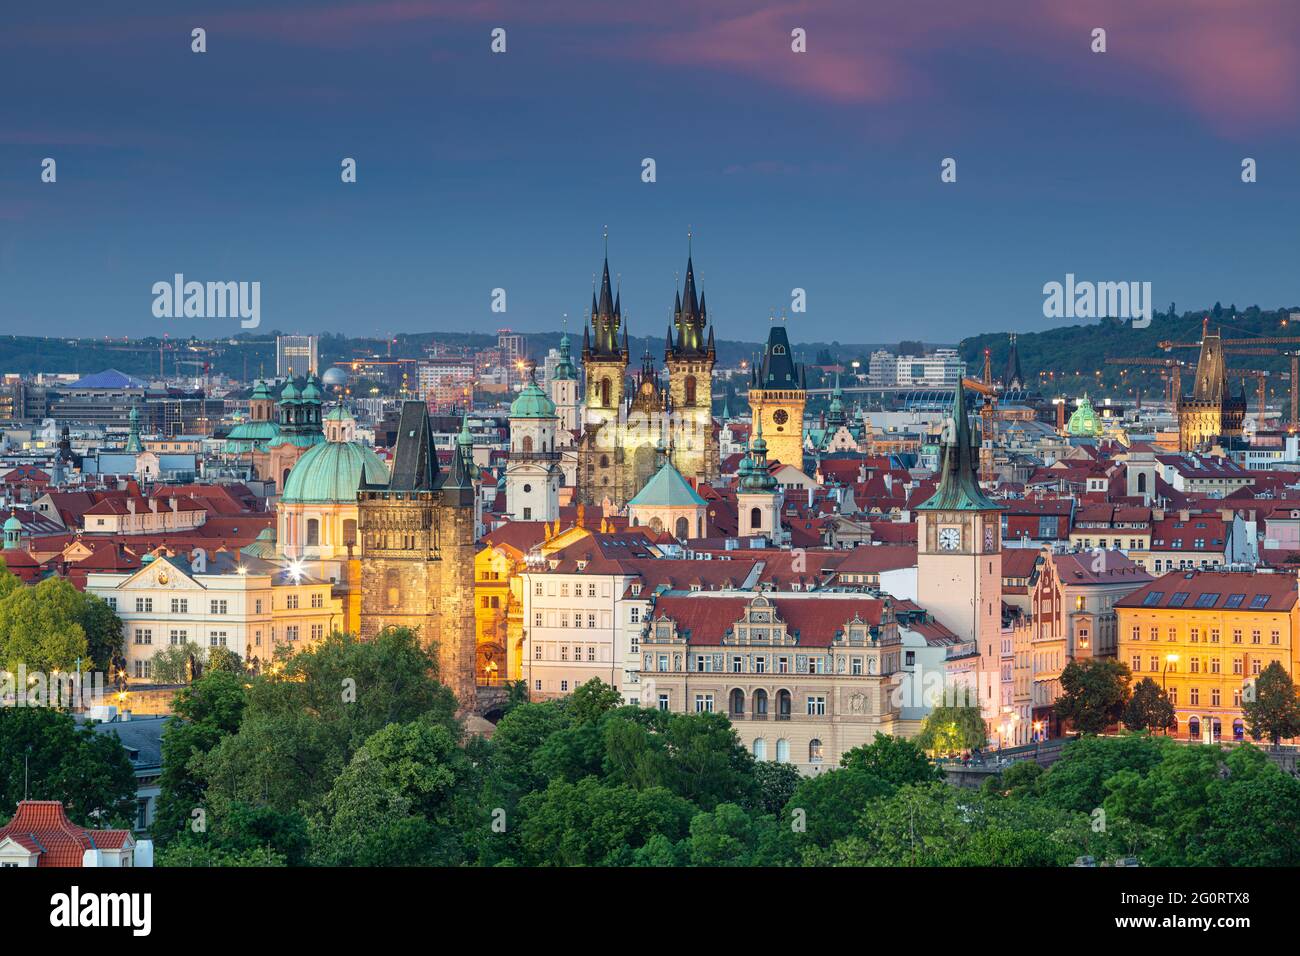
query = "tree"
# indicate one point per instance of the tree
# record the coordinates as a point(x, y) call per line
point(40, 634)
point(1149, 708)
point(44, 754)
point(952, 729)
point(591, 823)
point(777, 783)
point(1094, 692)
point(171, 665)
point(1272, 711)
point(894, 760)
point(208, 710)
point(396, 803)
point(830, 805)
point(592, 700)
point(1077, 781)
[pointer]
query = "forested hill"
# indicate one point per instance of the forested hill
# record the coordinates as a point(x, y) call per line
point(1069, 360)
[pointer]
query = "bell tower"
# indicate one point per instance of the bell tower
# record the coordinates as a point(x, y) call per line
point(959, 552)
point(689, 355)
point(777, 396)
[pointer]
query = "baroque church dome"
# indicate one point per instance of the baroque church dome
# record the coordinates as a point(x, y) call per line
point(330, 473)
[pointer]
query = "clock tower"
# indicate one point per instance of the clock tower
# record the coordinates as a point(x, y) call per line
point(959, 554)
point(777, 397)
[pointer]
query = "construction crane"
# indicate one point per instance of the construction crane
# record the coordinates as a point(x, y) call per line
point(1173, 375)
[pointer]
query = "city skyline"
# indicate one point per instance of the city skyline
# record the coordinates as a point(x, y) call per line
point(478, 171)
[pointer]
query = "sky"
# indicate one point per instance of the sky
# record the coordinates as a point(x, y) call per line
point(478, 170)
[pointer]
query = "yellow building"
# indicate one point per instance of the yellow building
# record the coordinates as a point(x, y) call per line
point(1204, 636)
point(777, 397)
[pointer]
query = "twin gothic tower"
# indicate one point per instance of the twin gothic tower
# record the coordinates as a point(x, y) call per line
point(627, 435)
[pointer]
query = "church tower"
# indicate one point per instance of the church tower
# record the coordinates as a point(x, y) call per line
point(689, 355)
point(533, 472)
point(758, 497)
point(417, 561)
point(563, 388)
point(604, 365)
point(959, 552)
point(777, 396)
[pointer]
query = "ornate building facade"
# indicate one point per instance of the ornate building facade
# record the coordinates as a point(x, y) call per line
point(627, 437)
point(417, 561)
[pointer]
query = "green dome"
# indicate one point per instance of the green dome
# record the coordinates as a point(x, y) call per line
point(332, 472)
point(1085, 422)
point(290, 393)
point(13, 524)
point(532, 403)
point(310, 393)
point(260, 392)
point(339, 413)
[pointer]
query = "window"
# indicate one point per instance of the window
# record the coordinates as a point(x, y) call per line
point(177, 636)
point(537, 685)
point(1179, 599)
point(591, 620)
point(704, 703)
point(661, 664)
point(909, 658)
point(760, 665)
point(1207, 600)
point(318, 600)
point(537, 652)
point(564, 685)
point(218, 607)
point(1194, 696)
point(591, 655)
point(1258, 601)
point(290, 603)
point(564, 652)
point(1234, 600)
point(760, 748)
point(736, 664)
point(218, 638)
point(783, 751)
point(180, 606)
point(317, 632)
point(537, 619)
point(663, 701)
point(291, 632)
point(144, 605)
point(817, 706)
point(144, 635)
point(537, 589)
point(855, 667)
point(814, 751)
point(591, 589)
point(636, 614)
point(1152, 598)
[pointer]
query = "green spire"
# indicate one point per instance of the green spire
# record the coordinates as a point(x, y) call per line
point(959, 487)
point(133, 444)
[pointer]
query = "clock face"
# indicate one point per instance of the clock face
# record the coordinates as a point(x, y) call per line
point(950, 538)
point(780, 416)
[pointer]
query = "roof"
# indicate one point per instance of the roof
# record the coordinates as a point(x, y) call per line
point(43, 827)
point(109, 378)
point(667, 488)
point(1216, 590)
point(872, 559)
point(813, 619)
point(140, 736)
point(332, 473)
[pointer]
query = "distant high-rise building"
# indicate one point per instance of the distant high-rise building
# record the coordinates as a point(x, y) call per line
point(882, 368)
point(295, 355)
point(513, 346)
point(941, 368)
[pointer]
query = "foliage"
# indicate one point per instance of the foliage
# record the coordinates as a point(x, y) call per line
point(1149, 708)
point(952, 729)
point(1094, 692)
point(46, 755)
point(1274, 712)
point(894, 760)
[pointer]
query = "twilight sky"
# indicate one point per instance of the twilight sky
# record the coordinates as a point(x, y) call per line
point(479, 170)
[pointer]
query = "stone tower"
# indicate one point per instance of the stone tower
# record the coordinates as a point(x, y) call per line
point(604, 363)
point(959, 552)
point(777, 396)
point(417, 559)
point(1211, 413)
point(758, 497)
point(689, 356)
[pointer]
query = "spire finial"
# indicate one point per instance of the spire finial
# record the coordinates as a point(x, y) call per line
point(606, 241)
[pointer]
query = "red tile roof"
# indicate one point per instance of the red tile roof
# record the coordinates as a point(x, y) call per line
point(813, 620)
point(43, 827)
point(1216, 590)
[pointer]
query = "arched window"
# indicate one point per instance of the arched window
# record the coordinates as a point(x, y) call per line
point(755, 518)
point(604, 392)
point(690, 389)
point(782, 705)
point(1238, 730)
point(1142, 483)
point(1217, 724)
point(313, 532)
point(737, 703)
point(760, 748)
point(783, 751)
point(285, 480)
point(814, 751)
point(1194, 728)
point(760, 705)
point(527, 443)
point(683, 529)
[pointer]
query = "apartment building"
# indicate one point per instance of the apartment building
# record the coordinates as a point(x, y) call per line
point(247, 605)
point(1204, 636)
